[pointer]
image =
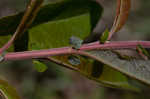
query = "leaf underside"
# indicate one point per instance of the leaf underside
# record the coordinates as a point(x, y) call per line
point(135, 68)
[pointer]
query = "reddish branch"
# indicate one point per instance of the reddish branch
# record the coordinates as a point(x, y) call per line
point(69, 50)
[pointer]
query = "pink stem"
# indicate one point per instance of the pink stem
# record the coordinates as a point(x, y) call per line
point(69, 50)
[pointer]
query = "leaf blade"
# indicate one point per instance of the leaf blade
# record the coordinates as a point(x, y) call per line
point(105, 76)
point(74, 20)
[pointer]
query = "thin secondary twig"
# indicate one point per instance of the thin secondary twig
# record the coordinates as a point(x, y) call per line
point(29, 15)
point(69, 50)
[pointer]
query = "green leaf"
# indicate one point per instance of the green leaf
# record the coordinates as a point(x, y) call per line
point(97, 71)
point(105, 36)
point(49, 12)
point(75, 19)
point(135, 68)
point(39, 66)
point(8, 92)
point(52, 29)
point(57, 33)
